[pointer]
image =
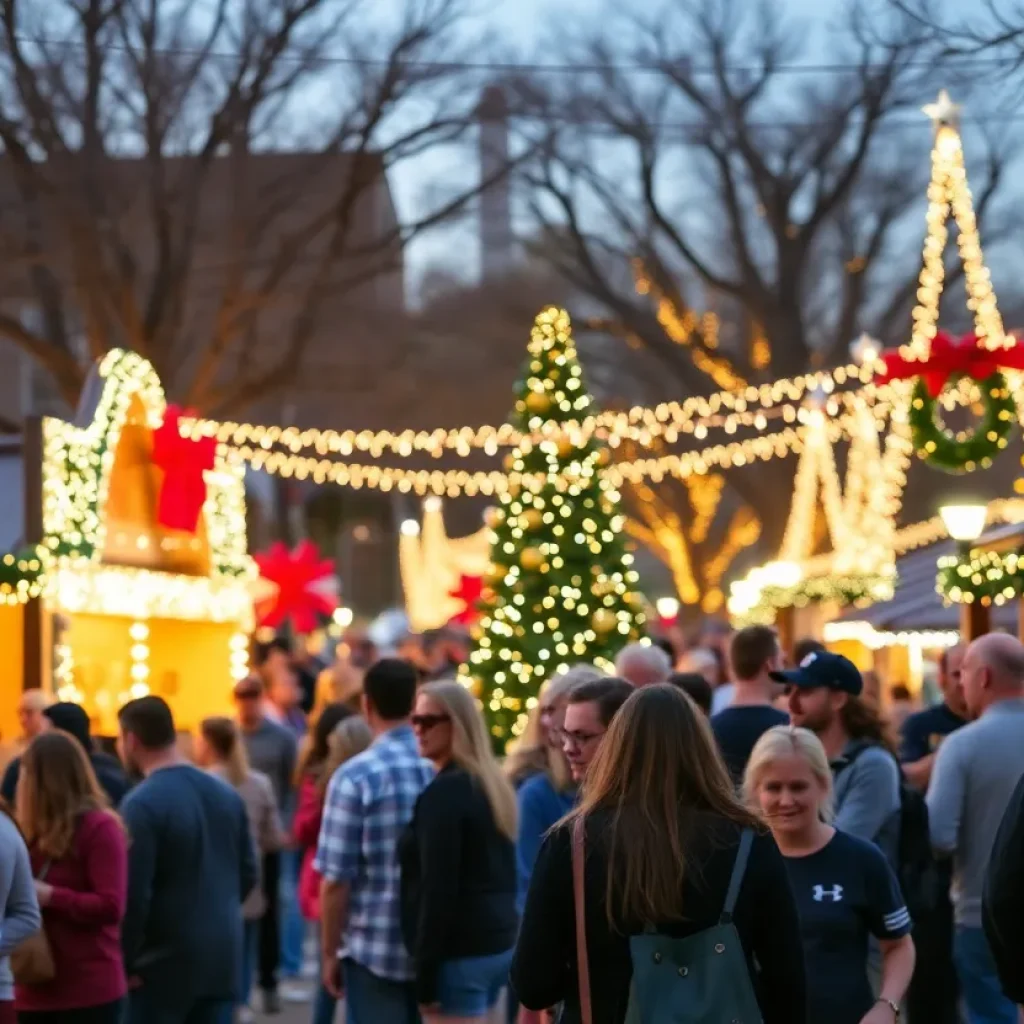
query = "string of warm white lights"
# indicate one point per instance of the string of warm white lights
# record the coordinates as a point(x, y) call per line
point(730, 410)
point(452, 483)
point(949, 193)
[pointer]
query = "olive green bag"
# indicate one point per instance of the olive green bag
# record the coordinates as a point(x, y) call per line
point(702, 979)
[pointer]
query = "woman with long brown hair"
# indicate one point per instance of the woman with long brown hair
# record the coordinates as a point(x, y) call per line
point(339, 734)
point(667, 851)
point(221, 751)
point(458, 857)
point(79, 855)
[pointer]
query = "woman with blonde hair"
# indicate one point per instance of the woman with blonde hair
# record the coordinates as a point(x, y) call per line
point(79, 856)
point(221, 751)
point(661, 851)
point(458, 863)
point(845, 889)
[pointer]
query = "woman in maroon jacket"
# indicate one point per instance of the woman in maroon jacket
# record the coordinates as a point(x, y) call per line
point(78, 851)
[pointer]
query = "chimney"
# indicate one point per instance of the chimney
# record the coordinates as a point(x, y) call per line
point(495, 200)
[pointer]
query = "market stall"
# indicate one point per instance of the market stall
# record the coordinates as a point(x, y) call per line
point(136, 578)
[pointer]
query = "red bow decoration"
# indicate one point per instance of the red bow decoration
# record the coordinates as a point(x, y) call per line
point(470, 591)
point(951, 358)
point(183, 460)
point(305, 587)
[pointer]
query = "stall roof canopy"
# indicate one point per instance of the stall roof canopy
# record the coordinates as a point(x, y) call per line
point(915, 605)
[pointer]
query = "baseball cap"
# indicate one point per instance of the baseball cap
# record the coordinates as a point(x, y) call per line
point(823, 668)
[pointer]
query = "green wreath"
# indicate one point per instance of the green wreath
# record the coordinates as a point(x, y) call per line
point(962, 453)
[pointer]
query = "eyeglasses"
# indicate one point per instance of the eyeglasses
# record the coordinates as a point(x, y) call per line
point(427, 722)
point(248, 695)
point(578, 739)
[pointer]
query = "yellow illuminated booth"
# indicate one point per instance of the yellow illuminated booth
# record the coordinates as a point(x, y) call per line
point(124, 604)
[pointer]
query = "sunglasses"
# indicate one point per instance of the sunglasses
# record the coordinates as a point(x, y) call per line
point(427, 722)
point(248, 695)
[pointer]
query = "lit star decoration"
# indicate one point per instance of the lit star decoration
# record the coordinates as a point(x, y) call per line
point(301, 594)
point(561, 579)
point(469, 592)
point(184, 461)
point(943, 112)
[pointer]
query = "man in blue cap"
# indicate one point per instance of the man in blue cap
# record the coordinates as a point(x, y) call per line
point(824, 696)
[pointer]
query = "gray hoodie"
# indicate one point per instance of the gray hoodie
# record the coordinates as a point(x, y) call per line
point(21, 917)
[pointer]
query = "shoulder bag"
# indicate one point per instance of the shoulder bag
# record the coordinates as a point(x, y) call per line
point(701, 979)
point(32, 959)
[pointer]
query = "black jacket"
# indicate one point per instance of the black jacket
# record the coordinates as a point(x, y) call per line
point(72, 719)
point(458, 879)
point(544, 966)
point(1002, 908)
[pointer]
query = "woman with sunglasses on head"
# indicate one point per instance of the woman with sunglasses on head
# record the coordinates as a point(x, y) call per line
point(458, 863)
point(845, 889)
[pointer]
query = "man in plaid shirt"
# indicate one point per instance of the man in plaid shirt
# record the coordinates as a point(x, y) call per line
point(369, 802)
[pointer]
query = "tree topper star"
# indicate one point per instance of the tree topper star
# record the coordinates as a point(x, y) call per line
point(943, 111)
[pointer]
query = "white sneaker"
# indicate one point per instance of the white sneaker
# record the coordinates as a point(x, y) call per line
point(294, 994)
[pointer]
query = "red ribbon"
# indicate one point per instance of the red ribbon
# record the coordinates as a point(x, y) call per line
point(952, 358)
point(183, 460)
point(295, 573)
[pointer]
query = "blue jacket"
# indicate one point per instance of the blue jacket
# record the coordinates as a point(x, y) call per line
point(540, 806)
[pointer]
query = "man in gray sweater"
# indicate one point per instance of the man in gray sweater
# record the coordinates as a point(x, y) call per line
point(272, 750)
point(976, 771)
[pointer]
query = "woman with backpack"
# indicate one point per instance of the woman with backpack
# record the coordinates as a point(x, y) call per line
point(660, 893)
point(845, 889)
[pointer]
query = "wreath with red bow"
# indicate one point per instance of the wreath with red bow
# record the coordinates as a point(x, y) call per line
point(950, 361)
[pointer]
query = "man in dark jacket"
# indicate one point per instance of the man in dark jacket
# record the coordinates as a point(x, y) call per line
point(1002, 907)
point(191, 863)
point(72, 719)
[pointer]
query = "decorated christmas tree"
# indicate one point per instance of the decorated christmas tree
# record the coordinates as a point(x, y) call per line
point(560, 583)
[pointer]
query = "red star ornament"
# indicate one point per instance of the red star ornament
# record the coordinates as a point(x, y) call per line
point(301, 594)
point(184, 460)
point(469, 592)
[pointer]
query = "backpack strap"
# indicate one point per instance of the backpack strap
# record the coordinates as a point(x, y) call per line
point(738, 870)
point(582, 960)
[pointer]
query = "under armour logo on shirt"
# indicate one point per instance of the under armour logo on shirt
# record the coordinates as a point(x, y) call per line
point(835, 894)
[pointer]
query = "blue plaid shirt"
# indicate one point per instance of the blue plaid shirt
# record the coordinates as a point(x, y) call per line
point(369, 802)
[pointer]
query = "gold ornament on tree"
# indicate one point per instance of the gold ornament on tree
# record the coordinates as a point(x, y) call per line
point(496, 574)
point(493, 517)
point(531, 558)
point(532, 519)
point(538, 402)
point(603, 620)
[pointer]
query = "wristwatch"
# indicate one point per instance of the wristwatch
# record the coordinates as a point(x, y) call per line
point(895, 1007)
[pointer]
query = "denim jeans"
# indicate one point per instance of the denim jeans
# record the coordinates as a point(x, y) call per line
point(293, 925)
point(247, 967)
point(373, 1000)
point(979, 983)
point(325, 1006)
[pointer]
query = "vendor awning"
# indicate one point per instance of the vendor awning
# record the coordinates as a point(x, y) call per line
point(916, 607)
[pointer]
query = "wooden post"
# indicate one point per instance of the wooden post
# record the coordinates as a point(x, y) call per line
point(785, 625)
point(32, 497)
point(975, 621)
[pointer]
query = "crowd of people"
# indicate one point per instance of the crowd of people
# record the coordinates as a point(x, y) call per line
point(800, 854)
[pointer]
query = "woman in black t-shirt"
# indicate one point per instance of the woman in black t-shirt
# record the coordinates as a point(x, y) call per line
point(845, 889)
point(458, 865)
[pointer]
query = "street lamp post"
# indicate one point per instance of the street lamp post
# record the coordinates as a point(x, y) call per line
point(965, 524)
